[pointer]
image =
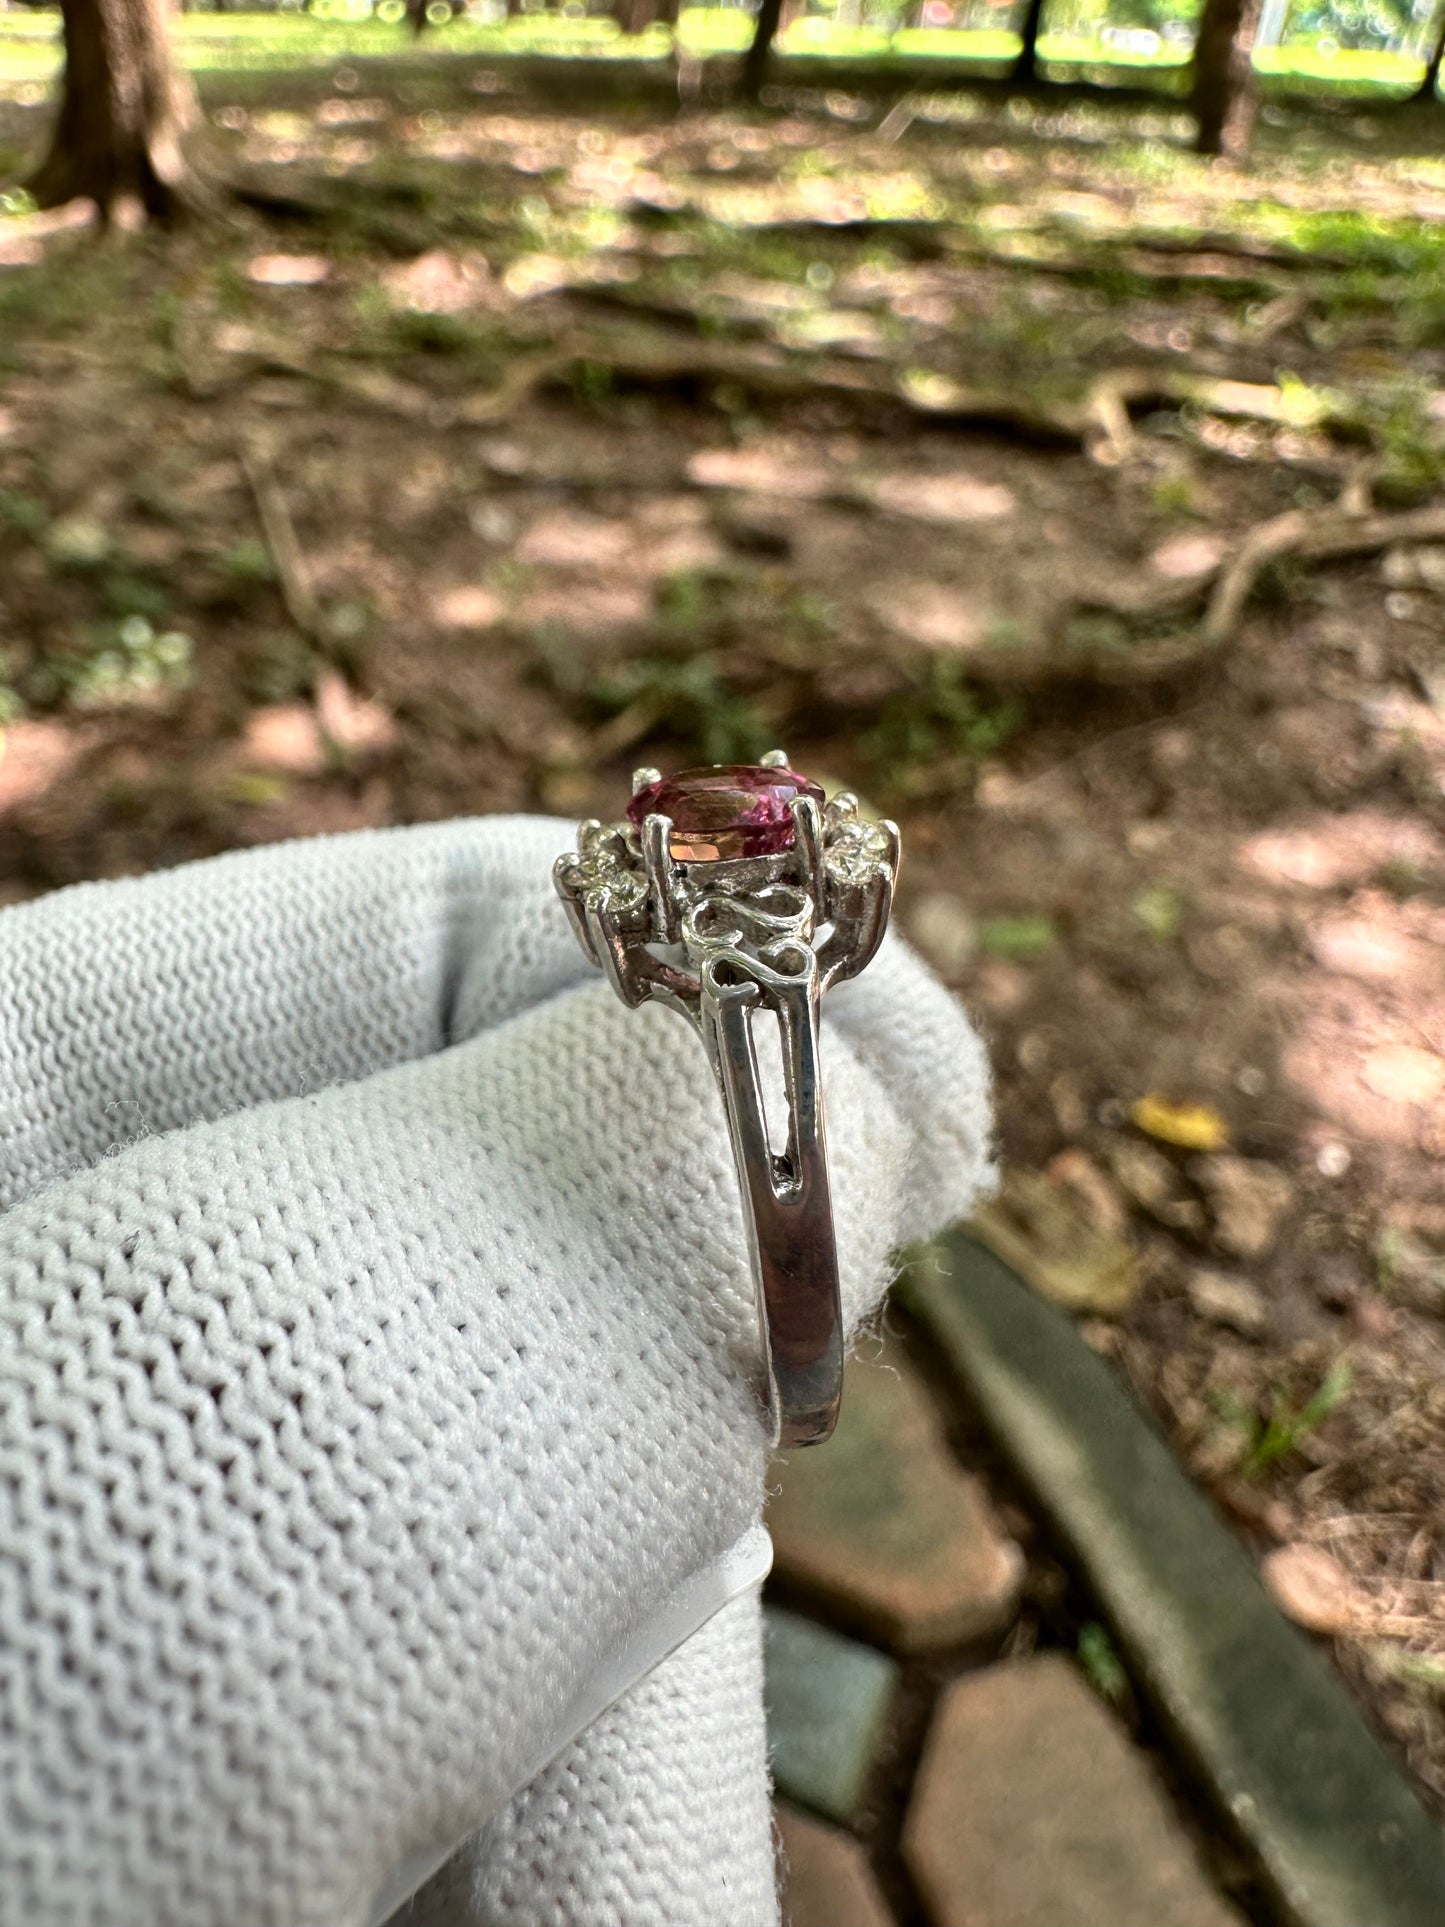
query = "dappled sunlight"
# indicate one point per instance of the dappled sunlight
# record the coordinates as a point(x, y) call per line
point(34, 756)
point(1361, 1009)
point(1080, 502)
point(1354, 847)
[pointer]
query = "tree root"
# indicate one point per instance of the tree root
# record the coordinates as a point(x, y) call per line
point(285, 550)
point(1324, 535)
point(1321, 535)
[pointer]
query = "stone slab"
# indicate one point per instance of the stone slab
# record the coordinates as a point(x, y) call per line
point(887, 1526)
point(826, 1878)
point(1033, 1809)
point(828, 1700)
point(1335, 1830)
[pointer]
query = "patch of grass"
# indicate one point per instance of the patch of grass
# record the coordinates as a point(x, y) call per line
point(111, 665)
point(26, 515)
point(124, 593)
point(415, 332)
point(1100, 1663)
point(1286, 1426)
point(938, 727)
point(689, 701)
point(277, 666)
point(1175, 495)
point(246, 562)
point(1021, 938)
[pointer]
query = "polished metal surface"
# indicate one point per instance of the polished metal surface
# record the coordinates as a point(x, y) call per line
point(730, 944)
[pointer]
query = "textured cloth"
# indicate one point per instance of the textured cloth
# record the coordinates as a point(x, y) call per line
point(377, 1349)
point(657, 1813)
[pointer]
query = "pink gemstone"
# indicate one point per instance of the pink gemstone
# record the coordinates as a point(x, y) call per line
point(727, 810)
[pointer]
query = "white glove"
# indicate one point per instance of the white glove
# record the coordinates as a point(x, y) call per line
point(377, 1393)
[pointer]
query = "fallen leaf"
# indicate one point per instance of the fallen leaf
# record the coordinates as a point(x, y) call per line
point(355, 724)
point(1249, 1199)
point(1040, 1229)
point(1099, 1200)
point(1193, 1127)
point(1228, 1301)
point(1160, 910)
point(1311, 1588)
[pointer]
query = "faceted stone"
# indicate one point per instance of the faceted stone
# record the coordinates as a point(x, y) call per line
point(1032, 1809)
point(827, 1881)
point(828, 1700)
point(726, 810)
point(886, 1526)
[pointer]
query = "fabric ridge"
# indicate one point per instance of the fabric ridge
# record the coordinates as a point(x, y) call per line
point(377, 1357)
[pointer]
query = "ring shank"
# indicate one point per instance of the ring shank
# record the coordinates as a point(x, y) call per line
point(787, 1200)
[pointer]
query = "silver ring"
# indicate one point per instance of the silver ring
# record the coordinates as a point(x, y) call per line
point(733, 893)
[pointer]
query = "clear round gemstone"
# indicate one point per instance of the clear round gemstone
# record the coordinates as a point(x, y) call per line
point(855, 852)
point(604, 876)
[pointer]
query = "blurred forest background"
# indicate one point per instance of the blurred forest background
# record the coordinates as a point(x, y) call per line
point(512, 394)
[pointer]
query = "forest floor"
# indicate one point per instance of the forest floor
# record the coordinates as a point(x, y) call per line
point(1080, 503)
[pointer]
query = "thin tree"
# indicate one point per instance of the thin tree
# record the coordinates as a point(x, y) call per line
point(126, 114)
point(1429, 87)
point(1223, 94)
point(755, 66)
point(1026, 66)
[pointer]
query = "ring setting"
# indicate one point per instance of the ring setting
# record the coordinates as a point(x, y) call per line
point(737, 895)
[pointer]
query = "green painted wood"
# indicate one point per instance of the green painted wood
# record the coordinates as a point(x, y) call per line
point(1337, 1833)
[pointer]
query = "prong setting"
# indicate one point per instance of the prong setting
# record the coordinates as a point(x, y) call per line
point(661, 877)
point(763, 896)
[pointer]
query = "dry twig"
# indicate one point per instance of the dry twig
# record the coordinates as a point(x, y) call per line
point(285, 550)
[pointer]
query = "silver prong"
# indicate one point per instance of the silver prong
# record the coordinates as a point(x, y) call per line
point(842, 809)
point(895, 843)
point(610, 950)
point(644, 778)
point(775, 759)
point(589, 835)
point(808, 822)
point(661, 877)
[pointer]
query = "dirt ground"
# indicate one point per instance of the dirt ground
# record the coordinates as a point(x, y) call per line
point(544, 443)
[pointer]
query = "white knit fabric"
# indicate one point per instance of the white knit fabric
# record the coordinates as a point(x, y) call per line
point(658, 1813)
point(376, 1351)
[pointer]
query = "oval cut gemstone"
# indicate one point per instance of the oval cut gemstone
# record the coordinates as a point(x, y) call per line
point(727, 810)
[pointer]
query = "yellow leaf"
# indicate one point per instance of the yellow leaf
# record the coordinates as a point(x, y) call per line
point(1194, 1127)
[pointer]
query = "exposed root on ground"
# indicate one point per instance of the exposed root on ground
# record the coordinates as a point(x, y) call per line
point(285, 550)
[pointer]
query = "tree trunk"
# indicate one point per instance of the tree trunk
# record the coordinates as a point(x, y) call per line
point(1429, 86)
point(770, 12)
point(1026, 67)
point(1223, 96)
point(125, 113)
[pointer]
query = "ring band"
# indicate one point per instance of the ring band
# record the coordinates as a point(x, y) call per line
point(733, 894)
